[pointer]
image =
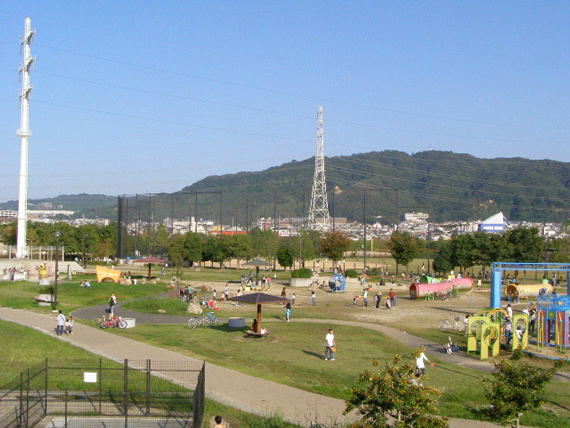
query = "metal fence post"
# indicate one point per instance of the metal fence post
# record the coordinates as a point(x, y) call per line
point(46, 388)
point(126, 392)
point(148, 369)
point(28, 397)
point(21, 413)
point(100, 384)
point(65, 408)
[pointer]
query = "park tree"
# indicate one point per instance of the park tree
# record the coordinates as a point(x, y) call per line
point(525, 245)
point(391, 396)
point(263, 242)
point(193, 247)
point(462, 246)
point(513, 390)
point(213, 250)
point(443, 261)
point(9, 233)
point(334, 245)
point(285, 256)
point(403, 247)
point(237, 247)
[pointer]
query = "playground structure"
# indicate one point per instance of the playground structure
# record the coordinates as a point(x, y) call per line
point(461, 283)
point(553, 322)
point(337, 283)
point(524, 291)
point(104, 273)
point(498, 268)
point(433, 286)
point(486, 329)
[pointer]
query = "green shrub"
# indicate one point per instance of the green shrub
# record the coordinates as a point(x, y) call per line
point(351, 273)
point(301, 273)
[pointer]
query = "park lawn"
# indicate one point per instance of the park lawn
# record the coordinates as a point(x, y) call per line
point(20, 295)
point(292, 355)
point(29, 348)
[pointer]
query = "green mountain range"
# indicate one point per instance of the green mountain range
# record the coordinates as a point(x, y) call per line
point(446, 185)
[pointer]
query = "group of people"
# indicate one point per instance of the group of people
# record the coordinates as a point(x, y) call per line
point(64, 325)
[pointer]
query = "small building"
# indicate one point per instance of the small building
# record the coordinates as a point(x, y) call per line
point(494, 224)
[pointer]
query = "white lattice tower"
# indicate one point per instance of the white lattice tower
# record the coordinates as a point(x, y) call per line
point(24, 134)
point(319, 218)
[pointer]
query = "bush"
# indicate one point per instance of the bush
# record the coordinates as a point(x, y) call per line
point(351, 273)
point(301, 273)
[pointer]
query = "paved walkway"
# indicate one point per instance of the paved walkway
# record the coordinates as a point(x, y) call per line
point(228, 386)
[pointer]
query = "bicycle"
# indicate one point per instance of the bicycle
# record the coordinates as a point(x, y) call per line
point(205, 320)
point(114, 322)
point(444, 324)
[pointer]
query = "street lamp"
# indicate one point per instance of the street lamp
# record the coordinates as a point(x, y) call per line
point(57, 234)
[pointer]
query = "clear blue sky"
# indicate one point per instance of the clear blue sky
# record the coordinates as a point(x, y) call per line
point(137, 97)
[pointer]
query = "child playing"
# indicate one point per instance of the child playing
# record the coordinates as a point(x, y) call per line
point(218, 420)
point(69, 325)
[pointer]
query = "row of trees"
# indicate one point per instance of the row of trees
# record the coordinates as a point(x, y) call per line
point(523, 245)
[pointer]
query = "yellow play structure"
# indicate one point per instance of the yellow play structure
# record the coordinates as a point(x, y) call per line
point(485, 330)
point(104, 273)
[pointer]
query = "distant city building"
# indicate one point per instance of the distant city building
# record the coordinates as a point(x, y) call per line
point(494, 224)
point(8, 216)
point(416, 217)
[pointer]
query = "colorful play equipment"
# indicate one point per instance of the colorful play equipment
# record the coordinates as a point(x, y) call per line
point(485, 331)
point(498, 268)
point(435, 286)
point(337, 283)
point(529, 290)
point(553, 321)
point(104, 273)
point(425, 279)
point(422, 290)
point(461, 283)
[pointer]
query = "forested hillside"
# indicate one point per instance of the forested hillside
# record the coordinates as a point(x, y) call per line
point(446, 185)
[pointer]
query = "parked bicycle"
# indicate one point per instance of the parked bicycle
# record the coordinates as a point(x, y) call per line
point(113, 322)
point(457, 324)
point(203, 321)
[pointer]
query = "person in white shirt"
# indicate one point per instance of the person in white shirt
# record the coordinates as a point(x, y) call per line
point(329, 345)
point(420, 366)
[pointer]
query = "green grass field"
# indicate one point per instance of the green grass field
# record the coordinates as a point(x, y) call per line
point(291, 355)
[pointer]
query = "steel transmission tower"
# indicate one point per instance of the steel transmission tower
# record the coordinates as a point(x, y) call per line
point(319, 218)
point(24, 134)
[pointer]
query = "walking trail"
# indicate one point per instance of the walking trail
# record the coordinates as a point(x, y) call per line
point(228, 386)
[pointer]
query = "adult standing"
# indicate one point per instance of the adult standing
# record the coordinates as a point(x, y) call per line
point(329, 345)
point(112, 304)
point(313, 298)
point(365, 297)
point(392, 296)
point(420, 365)
point(60, 323)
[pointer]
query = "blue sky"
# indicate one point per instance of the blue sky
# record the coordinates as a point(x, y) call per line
point(138, 97)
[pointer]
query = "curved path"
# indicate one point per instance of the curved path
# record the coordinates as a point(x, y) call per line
point(224, 385)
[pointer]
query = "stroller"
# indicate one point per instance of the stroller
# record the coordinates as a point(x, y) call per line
point(449, 346)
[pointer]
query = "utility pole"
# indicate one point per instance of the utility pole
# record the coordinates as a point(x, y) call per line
point(319, 212)
point(24, 133)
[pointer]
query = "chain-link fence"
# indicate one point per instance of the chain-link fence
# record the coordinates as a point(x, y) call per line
point(132, 393)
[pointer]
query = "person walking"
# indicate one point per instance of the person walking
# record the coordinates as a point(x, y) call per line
point(420, 365)
point(392, 296)
point(287, 311)
point(60, 323)
point(314, 298)
point(365, 297)
point(329, 345)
